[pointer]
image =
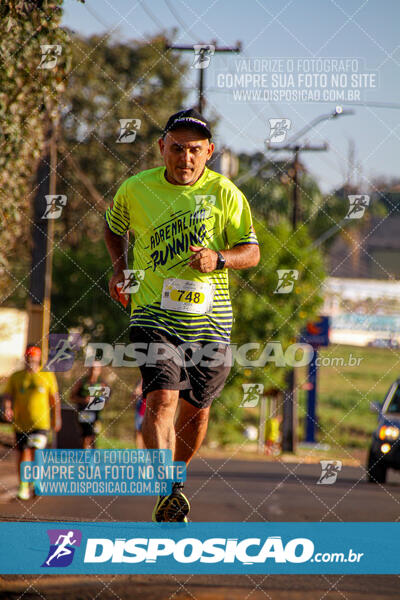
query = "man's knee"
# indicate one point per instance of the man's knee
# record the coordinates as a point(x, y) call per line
point(160, 405)
point(196, 416)
point(201, 416)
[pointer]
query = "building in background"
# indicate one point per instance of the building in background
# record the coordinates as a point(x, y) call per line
point(371, 251)
point(13, 335)
point(224, 161)
point(363, 311)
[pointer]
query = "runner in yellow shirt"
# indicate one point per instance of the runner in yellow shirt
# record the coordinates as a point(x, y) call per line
point(191, 225)
point(32, 404)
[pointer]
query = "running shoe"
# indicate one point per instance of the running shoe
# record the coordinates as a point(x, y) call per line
point(172, 508)
point(24, 493)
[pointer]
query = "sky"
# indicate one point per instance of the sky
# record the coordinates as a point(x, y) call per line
point(283, 42)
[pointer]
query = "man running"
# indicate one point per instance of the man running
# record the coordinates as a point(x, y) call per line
point(81, 395)
point(140, 409)
point(190, 225)
point(32, 403)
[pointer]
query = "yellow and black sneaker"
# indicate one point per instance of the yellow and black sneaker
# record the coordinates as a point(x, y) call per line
point(24, 492)
point(173, 508)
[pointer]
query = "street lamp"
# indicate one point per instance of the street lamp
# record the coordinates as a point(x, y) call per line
point(296, 147)
point(338, 112)
point(289, 425)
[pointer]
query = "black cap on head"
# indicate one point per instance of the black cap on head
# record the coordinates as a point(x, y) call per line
point(190, 118)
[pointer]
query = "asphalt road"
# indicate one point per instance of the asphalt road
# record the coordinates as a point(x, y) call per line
point(219, 490)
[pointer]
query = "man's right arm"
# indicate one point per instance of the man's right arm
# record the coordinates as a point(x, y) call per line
point(8, 409)
point(117, 246)
point(75, 397)
point(8, 398)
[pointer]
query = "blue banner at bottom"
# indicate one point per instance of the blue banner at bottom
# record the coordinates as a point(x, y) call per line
point(209, 548)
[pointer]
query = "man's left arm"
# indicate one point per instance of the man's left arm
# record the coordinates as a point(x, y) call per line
point(8, 399)
point(55, 408)
point(243, 251)
point(239, 257)
point(55, 404)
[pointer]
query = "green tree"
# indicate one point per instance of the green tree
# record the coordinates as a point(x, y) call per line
point(28, 99)
point(109, 81)
point(80, 297)
point(269, 188)
point(264, 316)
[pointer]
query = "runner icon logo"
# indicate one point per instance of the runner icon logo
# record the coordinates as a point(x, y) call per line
point(98, 395)
point(128, 130)
point(62, 348)
point(63, 543)
point(132, 281)
point(278, 130)
point(251, 394)
point(204, 203)
point(50, 54)
point(202, 55)
point(286, 280)
point(357, 205)
point(329, 471)
point(54, 205)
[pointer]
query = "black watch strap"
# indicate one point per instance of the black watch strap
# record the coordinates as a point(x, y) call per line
point(220, 262)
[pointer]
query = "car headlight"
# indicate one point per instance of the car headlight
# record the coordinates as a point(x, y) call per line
point(389, 432)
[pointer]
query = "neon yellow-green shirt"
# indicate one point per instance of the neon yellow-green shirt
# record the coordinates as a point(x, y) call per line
point(30, 393)
point(166, 219)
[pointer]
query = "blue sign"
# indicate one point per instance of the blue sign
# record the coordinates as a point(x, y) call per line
point(316, 333)
point(202, 548)
point(311, 415)
point(103, 472)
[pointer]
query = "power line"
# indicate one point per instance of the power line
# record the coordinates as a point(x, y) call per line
point(177, 18)
point(151, 15)
point(96, 16)
point(203, 54)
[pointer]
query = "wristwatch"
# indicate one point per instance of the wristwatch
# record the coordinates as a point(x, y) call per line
point(220, 261)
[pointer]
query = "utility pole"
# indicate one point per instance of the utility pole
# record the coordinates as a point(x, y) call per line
point(350, 163)
point(205, 51)
point(295, 149)
point(201, 99)
point(296, 190)
point(38, 304)
point(290, 399)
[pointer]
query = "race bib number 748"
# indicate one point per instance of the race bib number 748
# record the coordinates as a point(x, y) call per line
point(187, 296)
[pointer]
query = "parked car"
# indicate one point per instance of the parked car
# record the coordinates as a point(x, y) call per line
point(384, 452)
